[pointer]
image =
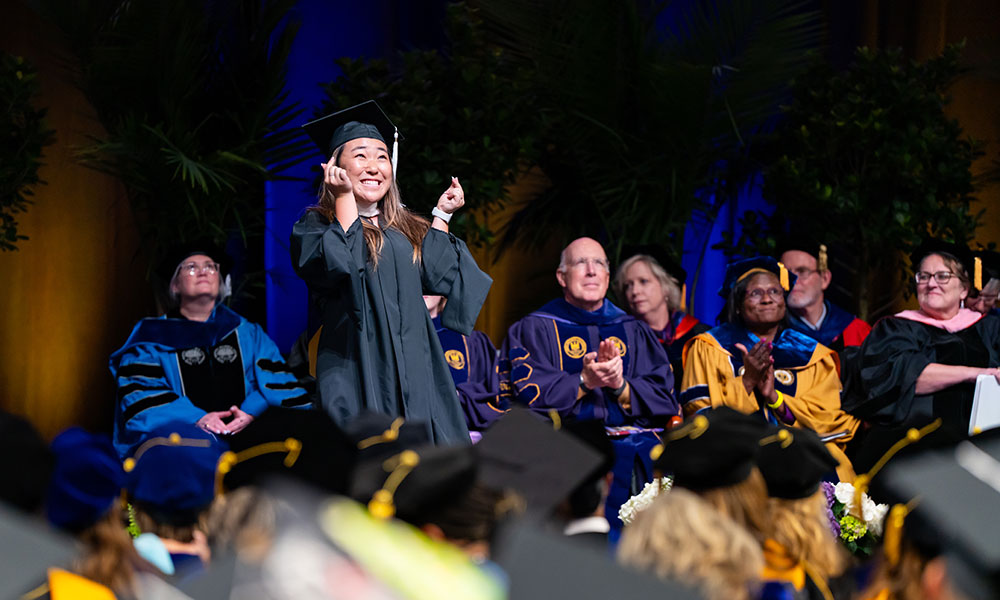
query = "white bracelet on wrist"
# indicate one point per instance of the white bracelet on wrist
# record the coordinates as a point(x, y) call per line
point(437, 212)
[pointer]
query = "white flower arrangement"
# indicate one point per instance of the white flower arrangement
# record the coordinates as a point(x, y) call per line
point(640, 501)
point(871, 513)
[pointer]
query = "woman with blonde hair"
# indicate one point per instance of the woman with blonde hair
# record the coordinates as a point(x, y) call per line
point(651, 287)
point(714, 455)
point(368, 261)
point(801, 552)
point(681, 537)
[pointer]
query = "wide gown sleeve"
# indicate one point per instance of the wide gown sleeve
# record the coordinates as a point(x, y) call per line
point(146, 400)
point(651, 380)
point(483, 402)
point(536, 379)
point(449, 270)
point(324, 255)
point(271, 381)
point(892, 357)
point(709, 380)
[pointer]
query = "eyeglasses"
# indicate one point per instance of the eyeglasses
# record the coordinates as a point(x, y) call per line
point(757, 294)
point(193, 269)
point(942, 277)
point(803, 272)
point(584, 262)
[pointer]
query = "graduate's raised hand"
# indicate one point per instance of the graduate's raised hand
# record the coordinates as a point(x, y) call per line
point(213, 422)
point(453, 198)
point(336, 179)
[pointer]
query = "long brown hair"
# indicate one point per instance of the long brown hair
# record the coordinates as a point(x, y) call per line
point(109, 557)
point(391, 209)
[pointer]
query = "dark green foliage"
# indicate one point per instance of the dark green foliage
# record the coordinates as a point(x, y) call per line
point(641, 126)
point(24, 136)
point(191, 97)
point(465, 112)
point(869, 158)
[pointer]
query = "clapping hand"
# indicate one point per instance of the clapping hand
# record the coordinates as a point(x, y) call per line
point(603, 368)
point(757, 366)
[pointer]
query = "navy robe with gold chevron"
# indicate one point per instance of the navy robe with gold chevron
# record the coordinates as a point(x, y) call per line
point(475, 370)
point(546, 350)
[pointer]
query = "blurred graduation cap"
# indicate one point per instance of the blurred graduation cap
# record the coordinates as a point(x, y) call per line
point(524, 453)
point(741, 269)
point(542, 565)
point(714, 448)
point(415, 482)
point(23, 481)
point(27, 550)
point(305, 444)
point(86, 482)
point(376, 436)
point(954, 494)
point(365, 120)
point(793, 462)
point(173, 475)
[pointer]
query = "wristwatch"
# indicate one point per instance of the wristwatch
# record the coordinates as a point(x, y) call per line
point(437, 212)
point(583, 386)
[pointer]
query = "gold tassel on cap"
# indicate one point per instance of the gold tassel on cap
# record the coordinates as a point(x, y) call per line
point(692, 429)
point(388, 435)
point(783, 276)
point(892, 538)
point(821, 259)
point(684, 295)
point(912, 436)
point(381, 505)
point(784, 437)
point(978, 281)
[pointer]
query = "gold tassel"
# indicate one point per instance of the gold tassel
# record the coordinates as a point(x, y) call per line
point(382, 505)
point(684, 296)
point(893, 536)
point(783, 276)
point(784, 436)
point(978, 283)
point(821, 260)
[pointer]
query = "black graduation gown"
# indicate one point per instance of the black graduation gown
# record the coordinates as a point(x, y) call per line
point(887, 366)
point(378, 350)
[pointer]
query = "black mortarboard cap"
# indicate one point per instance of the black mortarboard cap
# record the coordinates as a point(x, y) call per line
point(523, 452)
point(176, 254)
point(415, 482)
point(23, 481)
point(173, 474)
point(365, 120)
point(301, 443)
point(712, 449)
point(660, 255)
point(377, 436)
point(542, 565)
point(931, 246)
point(737, 271)
point(793, 462)
point(954, 512)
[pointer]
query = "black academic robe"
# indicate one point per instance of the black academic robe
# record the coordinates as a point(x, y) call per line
point(378, 350)
point(888, 364)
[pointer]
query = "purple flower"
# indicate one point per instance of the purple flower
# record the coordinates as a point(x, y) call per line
point(830, 499)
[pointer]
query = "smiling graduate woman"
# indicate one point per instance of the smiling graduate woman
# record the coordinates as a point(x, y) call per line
point(368, 261)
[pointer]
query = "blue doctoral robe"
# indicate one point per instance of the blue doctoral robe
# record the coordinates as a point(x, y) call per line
point(476, 373)
point(546, 350)
point(172, 369)
point(834, 323)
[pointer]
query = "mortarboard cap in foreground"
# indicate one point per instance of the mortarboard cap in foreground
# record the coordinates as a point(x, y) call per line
point(86, 482)
point(27, 549)
point(23, 481)
point(415, 482)
point(377, 436)
point(954, 495)
point(793, 462)
point(713, 449)
point(741, 269)
point(300, 443)
point(365, 120)
point(523, 452)
point(173, 475)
